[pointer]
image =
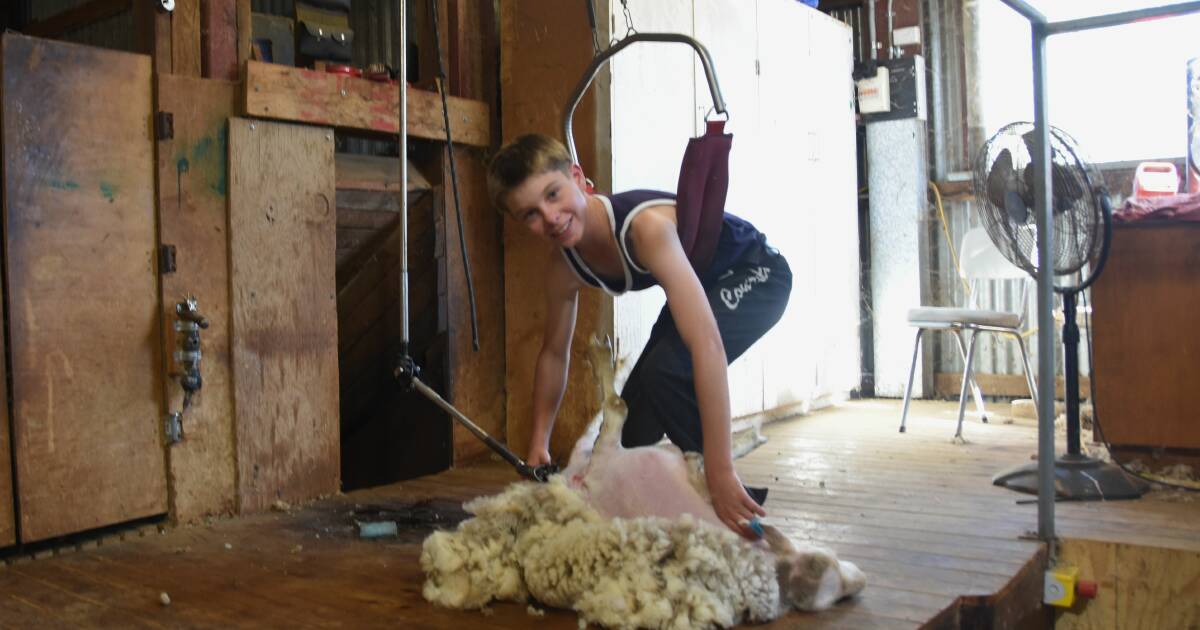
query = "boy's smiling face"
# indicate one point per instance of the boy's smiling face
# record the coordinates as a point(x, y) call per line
point(552, 205)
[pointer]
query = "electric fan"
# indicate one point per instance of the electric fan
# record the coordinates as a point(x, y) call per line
point(1082, 217)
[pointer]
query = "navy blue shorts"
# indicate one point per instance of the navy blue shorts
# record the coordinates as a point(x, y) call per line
point(660, 392)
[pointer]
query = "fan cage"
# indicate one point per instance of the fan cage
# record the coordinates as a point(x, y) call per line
point(1004, 190)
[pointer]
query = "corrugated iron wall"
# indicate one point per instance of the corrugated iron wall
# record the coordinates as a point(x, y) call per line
point(953, 145)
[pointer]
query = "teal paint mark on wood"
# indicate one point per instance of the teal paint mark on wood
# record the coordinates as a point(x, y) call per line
point(202, 148)
point(63, 184)
point(209, 156)
point(109, 191)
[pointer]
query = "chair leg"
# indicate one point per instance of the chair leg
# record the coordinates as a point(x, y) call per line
point(967, 375)
point(978, 395)
point(1028, 372)
point(908, 388)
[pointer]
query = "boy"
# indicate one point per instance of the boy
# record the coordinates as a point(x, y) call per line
point(629, 241)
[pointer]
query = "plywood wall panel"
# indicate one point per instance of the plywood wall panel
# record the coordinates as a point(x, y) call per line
point(193, 171)
point(282, 222)
point(80, 245)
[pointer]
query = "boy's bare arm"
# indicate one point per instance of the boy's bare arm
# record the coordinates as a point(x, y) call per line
point(550, 372)
point(656, 243)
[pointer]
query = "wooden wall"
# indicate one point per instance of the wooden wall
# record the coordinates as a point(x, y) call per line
point(284, 311)
point(1141, 587)
point(261, 263)
point(193, 172)
point(476, 384)
point(534, 88)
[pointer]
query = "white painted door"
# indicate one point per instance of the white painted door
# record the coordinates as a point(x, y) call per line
point(784, 71)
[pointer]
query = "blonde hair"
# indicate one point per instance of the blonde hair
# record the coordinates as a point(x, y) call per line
point(529, 155)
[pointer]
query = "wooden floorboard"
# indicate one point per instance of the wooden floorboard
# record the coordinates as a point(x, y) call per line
point(916, 511)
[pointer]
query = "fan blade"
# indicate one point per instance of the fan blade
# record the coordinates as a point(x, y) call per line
point(1066, 190)
point(1000, 179)
point(1016, 208)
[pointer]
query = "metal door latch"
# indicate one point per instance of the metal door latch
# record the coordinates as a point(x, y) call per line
point(187, 360)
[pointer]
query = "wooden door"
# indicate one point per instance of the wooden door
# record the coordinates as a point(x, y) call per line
point(283, 306)
point(82, 287)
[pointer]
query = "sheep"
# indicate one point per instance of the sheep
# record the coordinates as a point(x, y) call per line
point(628, 539)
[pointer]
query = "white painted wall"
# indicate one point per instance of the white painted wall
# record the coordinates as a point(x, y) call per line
point(784, 71)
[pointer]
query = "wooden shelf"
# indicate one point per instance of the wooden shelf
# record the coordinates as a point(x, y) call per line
point(309, 96)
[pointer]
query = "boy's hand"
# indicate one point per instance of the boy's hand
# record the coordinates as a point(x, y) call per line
point(733, 506)
point(537, 456)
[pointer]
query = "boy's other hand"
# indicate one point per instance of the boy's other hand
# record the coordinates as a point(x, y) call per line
point(538, 456)
point(732, 504)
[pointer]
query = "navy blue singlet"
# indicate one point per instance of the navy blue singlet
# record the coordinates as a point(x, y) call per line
point(737, 237)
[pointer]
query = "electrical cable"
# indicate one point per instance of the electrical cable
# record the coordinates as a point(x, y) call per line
point(462, 237)
point(937, 195)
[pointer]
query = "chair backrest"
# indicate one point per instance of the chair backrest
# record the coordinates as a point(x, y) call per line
point(980, 260)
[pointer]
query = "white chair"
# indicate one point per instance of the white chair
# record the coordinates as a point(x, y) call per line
point(979, 261)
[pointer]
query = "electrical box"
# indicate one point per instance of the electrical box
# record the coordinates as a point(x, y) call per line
point(905, 90)
point(1059, 587)
point(874, 93)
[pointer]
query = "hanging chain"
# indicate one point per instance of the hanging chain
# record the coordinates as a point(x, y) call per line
point(629, 30)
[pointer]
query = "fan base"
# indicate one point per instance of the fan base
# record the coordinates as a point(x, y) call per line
point(1076, 478)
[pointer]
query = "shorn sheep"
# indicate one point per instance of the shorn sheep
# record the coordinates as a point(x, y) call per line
point(628, 539)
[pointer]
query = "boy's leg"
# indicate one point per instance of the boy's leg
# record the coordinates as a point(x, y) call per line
point(660, 392)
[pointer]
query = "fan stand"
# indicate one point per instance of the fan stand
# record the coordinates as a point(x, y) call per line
point(1077, 477)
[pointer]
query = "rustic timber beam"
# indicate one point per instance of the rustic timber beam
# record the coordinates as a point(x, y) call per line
point(948, 385)
point(219, 40)
point(957, 190)
point(322, 98)
point(77, 17)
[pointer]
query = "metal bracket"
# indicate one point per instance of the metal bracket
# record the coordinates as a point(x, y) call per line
point(164, 125)
point(166, 259)
point(406, 371)
point(173, 427)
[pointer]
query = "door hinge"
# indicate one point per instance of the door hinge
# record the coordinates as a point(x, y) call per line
point(166, 259)
point(173, 427)
point(164, 125)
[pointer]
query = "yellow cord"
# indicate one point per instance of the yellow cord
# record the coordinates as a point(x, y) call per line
point(937, 195)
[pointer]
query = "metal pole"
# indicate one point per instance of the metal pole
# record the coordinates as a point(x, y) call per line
point(1124, 17)
point(1043, 193)
point(601, 59)
point(1030, 13)
point(935, 90)
point(402, 135)
point(499, 448)
point(871, 26)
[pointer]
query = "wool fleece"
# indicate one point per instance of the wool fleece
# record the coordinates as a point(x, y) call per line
point(543, 541)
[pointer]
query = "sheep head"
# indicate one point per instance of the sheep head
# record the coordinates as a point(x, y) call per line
point(811, 577)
